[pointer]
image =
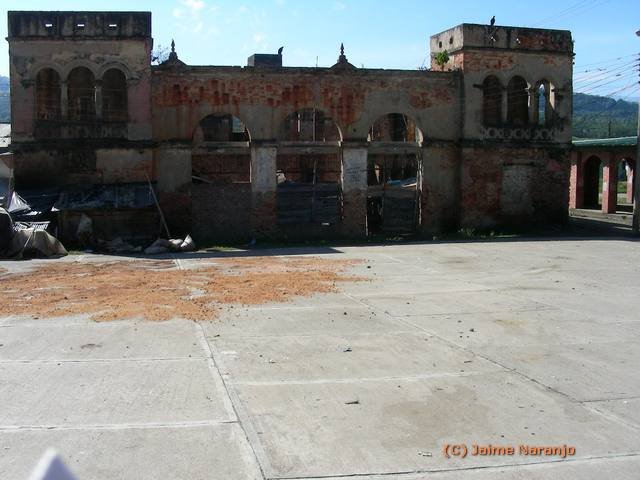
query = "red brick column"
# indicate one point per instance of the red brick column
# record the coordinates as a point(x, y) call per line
point(576, 181)
point(609, 186)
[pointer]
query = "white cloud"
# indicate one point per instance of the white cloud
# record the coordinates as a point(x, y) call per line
point(193, 5)
point(178, 13)
point(339, 6)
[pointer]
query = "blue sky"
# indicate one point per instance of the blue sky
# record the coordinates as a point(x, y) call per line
point(376, 34)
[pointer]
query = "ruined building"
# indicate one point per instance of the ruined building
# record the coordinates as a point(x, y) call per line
point(481, 139)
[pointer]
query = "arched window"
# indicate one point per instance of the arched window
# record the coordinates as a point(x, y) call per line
point(81, 95)
point(310, 125)
point(221, 128)
point(592, 182)
point(395, 127)
point(47, 95)
point(491, 101)
point(518, 101)
point(544, 112)
point(114, 96)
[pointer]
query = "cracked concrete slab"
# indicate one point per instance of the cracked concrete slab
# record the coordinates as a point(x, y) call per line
point(353, 357)
point(311, 429)
point(194, 452)
point(362, 382)
point(56, 393)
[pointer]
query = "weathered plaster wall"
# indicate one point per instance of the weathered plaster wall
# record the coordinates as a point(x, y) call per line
point(263, 98)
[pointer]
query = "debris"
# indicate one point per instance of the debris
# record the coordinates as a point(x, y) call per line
point(162, 245)
point(117, 245)
point(353, 402)
point(26, 242)
point(424, 454)
point(84, 232)
point(348, 349)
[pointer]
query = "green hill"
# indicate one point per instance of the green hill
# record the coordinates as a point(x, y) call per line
point(603, 117)
point(593, 116)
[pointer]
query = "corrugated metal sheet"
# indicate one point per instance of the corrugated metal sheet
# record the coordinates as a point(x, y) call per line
point(606, 142)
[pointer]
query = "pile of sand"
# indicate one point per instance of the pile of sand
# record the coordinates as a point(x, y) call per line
point(157, 290)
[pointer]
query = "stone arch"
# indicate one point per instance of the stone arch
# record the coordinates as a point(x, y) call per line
point(518, 101)
point(492, 92)
point(81, 101)
point(48, 94)
point(310, 125)
point(114, 96)
point(114, 65)
point(592, 174)
point(78, 63)
point(394, 167)
point(220, 177)
point(395, 127)
point(543, 102)
point(220, 127)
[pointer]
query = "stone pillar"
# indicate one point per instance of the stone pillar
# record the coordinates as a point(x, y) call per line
point(440, 188)
point(576, 181)
point(354, 190)
point(609, 186)
point(263, 191)
point(64, 100)
point(173, 177)
point(631, 170)
point(98, 99)
point(533, 106)
point(505, 106)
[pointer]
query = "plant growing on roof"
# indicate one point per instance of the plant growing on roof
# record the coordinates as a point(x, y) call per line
point(442, 58)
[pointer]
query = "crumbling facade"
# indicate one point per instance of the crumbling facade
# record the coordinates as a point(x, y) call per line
point(482, 139)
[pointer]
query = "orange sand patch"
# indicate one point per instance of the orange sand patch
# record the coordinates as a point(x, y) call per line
point(157, 290)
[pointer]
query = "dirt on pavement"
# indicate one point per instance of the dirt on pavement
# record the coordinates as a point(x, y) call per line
point(158, 290)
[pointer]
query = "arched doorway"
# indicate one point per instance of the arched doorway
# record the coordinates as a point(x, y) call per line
point(81, 95)
point(491, 101)
point(48, 95)
point(592, 186)
point(221, 179)
point(394, 175)
point(518, 101)
point(114, 96)
point(308, 170)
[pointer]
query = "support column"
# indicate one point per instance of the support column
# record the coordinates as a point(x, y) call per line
point(576, 181)
point(631, 171)
point(354, 190)
point(263, 191)
point(173, 177)
point(64, 100)
point(98, 99)
point(533, 107)
point(609, 186)
point(505, 106)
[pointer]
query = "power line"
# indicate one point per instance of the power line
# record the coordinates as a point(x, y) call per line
point(609, 60)
point(574, 10)
point(609, 72)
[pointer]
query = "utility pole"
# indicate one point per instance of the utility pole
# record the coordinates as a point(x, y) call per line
point(636, 174)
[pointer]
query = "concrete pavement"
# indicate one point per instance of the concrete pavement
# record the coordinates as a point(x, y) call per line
point(503, 343)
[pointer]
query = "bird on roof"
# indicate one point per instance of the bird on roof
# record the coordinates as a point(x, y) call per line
point(280, 50)
point(493, 21)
